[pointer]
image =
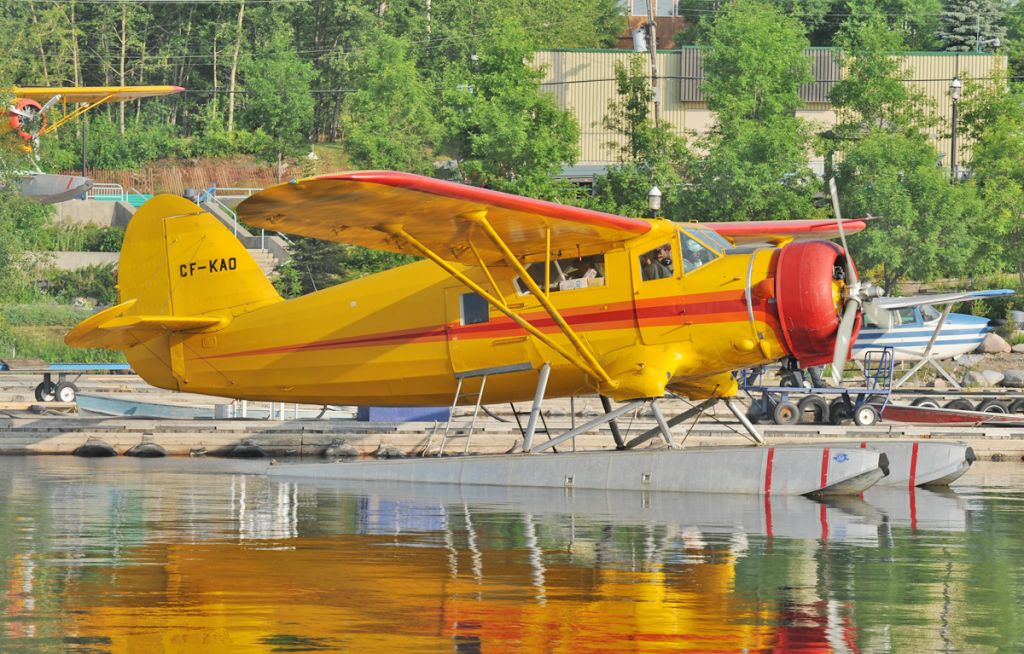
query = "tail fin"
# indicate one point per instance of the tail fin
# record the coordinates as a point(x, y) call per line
point(180, 270)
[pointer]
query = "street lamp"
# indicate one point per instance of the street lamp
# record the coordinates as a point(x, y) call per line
point(654, 200)
point(955, 87)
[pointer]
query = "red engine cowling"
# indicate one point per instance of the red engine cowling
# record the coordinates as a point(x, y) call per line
point(18, 122)
point(809, 309)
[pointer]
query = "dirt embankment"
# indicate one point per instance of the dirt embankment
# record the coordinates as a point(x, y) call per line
point(176, 175)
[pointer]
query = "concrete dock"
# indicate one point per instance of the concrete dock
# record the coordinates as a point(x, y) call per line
point(30, 427)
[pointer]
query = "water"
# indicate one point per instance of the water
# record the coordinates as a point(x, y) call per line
point(203, 555)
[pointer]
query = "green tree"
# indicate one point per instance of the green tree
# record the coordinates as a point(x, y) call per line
point(966, 24)
point(921, 214)
point(756, 161)
point(277, 85)
point(388, 121)
point(646, 155)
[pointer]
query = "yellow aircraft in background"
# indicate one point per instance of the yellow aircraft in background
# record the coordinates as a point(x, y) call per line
point(533, 298)
point(27, 117)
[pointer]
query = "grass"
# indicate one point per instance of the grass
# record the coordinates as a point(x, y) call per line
point(47, 343)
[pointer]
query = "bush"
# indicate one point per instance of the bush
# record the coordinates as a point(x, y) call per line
point(95, 282)
point(42, 315)
point(81, 238)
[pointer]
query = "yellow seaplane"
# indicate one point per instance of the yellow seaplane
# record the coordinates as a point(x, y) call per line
point(27, 118)
point(514, 299)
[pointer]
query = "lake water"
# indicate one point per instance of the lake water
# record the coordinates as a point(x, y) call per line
point(211, 556)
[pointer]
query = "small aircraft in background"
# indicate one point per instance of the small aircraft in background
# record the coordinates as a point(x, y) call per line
point(27, 115)
point(923, 329)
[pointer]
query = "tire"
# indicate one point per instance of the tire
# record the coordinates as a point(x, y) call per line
point(786, 413)
point(838, 411)
point(926, 402)
point(813, 403)
point(45, 392)
point(1017, 406)
point(65, 392)
point(865, 416)
point(755, 413)
point(959, 404)
point(993, 406)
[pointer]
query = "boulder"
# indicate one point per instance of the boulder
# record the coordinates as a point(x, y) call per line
point(939, 383)
point(968, 360)
point(994, 344)
point(1018, 348)
point(975, 379)
point(994, 377)
point(1013, 378)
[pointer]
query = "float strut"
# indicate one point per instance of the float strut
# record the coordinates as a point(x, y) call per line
point(606, 404)
point(671, 422)
point(755, 435)
point(538, 399)
point(596, 422)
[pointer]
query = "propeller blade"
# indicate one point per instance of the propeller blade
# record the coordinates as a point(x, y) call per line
point(843, 336)
point(49, 103)
point(19, 112)
point(851, 272)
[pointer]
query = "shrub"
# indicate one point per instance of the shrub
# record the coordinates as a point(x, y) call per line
point(96, 282)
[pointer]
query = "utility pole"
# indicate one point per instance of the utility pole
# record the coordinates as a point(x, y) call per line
point(653, 49)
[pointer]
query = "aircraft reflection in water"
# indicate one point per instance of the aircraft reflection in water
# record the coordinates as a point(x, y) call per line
point(135, 559)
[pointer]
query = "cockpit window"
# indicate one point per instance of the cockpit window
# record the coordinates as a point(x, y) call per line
point(929, 312)
point(694, 253)
point(710, 237)
point(566, 274)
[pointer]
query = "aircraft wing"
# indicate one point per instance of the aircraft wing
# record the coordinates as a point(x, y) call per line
point(768, 231)
point(891, 303)
point(73, 94)
point(359, 207)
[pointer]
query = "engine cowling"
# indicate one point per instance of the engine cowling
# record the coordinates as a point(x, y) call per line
point(808, 287)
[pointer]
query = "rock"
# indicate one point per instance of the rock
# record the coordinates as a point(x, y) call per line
point(340, 449)
point(993, 344)
point(939, 383)
point(1018, 348)
point(975, 380)
point(1013, 378)
point(993, 377)
point(388, 452)
point(968, 360)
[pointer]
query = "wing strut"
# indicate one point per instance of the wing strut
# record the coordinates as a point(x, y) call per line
point(81, 109)
point(587, 363)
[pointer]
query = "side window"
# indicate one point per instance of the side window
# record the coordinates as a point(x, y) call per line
point(907, 316)
point(474, 309)
point(566, 274)
point(657, 263)
point(695, 253)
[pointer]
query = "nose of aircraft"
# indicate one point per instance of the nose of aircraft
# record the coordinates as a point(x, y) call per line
point(809, 282)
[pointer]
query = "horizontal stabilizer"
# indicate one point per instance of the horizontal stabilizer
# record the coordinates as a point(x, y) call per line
point(111, 328)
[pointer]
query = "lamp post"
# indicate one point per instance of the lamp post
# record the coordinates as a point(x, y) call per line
point(955, 87)
point(654, 200)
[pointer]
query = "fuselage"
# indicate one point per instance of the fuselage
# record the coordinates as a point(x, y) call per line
point(960, 334)
point(402, 336)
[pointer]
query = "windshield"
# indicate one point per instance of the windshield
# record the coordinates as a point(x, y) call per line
point(710, 237)
point(694, 253)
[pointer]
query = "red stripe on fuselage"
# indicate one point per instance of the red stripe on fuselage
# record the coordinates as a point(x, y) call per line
point(702, 308)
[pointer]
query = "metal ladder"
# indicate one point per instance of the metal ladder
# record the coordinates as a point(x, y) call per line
point(483, 374)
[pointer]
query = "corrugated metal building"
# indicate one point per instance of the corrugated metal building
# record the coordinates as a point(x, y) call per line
point(583, 81)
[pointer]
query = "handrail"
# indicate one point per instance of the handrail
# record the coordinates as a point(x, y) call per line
point(106, 189)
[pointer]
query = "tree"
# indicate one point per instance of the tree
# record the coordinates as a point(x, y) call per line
point(994, 118)
point(646, 155)
point(756, 161)
point(277, 85)
point(966, 24)
point(921, 214)
point(754, 63)
point(388, 121)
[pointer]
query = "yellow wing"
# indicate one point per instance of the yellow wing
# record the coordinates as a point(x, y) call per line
point(73, 94)
point(364, 208)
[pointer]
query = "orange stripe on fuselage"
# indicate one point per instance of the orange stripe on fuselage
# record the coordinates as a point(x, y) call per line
point(699, 308)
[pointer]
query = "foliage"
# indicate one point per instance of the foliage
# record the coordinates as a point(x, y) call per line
point(72, 237)
point(42, 315)
point(964, 22)
point(894, 176)
point(754, 64)
point(288, 280)
point(320, 264)
point(871, 94)
point(98, 283)
point(647, 155)
point(756, 161)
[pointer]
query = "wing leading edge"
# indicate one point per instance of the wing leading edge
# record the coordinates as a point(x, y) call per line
point(362, 207)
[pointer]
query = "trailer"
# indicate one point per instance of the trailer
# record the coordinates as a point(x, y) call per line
point(790, 402)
